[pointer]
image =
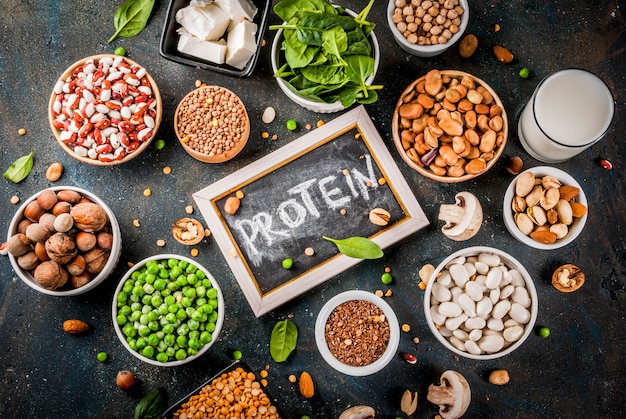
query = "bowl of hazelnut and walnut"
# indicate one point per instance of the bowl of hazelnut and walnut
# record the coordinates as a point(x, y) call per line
point(426, 28)
point(64, 241)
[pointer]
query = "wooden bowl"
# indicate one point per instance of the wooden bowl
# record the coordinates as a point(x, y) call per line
point(403, 145)
point(132, 150)
point(209, 97)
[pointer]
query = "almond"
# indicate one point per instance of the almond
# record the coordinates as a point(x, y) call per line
point(502, 54)
point(568, 192)
point(578, 209)
point(75, 327)
point(543, 236)
point(306, 385)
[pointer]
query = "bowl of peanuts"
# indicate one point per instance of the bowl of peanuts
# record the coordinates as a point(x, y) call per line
point(450, 126)
point(212, 124)
point(64, 241)
point(105, 110)
point(545, 208)
point(357, 333)
point(426, 28)
point(481, 303)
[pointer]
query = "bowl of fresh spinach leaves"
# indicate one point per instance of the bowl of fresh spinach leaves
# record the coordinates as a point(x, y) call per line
point(325, 57)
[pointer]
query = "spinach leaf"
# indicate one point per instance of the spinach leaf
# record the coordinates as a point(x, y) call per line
point(357, 247)
point(335, 41)
point(283, 340)
point(131, 17)
point(286, 9)
point(20, 168)
point(152, 405)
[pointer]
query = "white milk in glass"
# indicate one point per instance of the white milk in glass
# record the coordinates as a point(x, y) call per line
point(569, 111)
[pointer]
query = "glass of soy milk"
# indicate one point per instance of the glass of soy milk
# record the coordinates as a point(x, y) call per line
point(569, 111)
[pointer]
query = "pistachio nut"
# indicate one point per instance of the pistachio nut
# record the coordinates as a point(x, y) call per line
point(379, 216)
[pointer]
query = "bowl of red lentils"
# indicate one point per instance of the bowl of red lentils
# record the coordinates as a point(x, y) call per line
point(357, 333)
point(105, 109)
point(426, 28)
point(212, 124)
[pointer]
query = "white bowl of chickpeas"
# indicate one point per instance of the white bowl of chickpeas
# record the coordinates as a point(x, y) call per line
point(449, 126)
point(426, 28)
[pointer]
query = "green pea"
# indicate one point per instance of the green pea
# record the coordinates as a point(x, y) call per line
point(287, 263)
point(205, 337)
point(237, 355)
point(129, 330)
point(126, 310)
point(102, 356)
point(120, 51)
point(162, 357)
point(291, 124)
point(141, 343)
point(159, 144)
point(386, 278)
point(524, 73)
point(153, 339)
point(544, 332)
point(181, 341)
point(211, 293)
point(148, 351)
point(121, 319)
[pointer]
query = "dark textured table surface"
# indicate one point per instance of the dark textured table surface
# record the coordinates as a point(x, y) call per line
point(579, 371)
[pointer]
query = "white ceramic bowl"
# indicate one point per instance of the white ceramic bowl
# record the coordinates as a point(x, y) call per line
point(322, 346)
point(318, 107)
point(218, 322)
point(511, 263)
point(67, 290)
point(574, 229)
point(426, 50)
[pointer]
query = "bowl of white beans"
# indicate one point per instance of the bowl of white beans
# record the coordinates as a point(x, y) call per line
point(105, 110)
point(481, 303)
point(426, 28)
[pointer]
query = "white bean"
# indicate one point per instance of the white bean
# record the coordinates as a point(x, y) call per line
point(461, 334)
point(516, 278)
point(501, 309)
point(457, 343)
point(506, 291)
point(521, 297)
point(449, 309)
point(454, 323)
point(472, 347)
point(441, 293)
point(475, 335)
point(459, 274)
point(519, 313)
point(470, 268)
point(493, 278)
point(474, 290)
point(489, 259)
point(491, 343)
point(437, 318)
point(474, 323)
point(494, 295)
point(512, 334)
point(495, 324)
point(468, 305)
point(484, 307)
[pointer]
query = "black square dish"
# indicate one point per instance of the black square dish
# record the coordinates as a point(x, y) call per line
point(169, 40)
point(169, 413)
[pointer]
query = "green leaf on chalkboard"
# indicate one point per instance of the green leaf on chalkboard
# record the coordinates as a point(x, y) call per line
point(357, 247)
point(283, 340)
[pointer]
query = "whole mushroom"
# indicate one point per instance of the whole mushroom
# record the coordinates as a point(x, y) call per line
point(463, 219)
point(453, 395)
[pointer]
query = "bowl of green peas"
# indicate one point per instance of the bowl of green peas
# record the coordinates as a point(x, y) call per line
point(168, 310)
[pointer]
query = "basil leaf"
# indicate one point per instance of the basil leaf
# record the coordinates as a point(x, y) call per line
point(357, 247)
point(283, 340)
point(131, 17)
point(20, 168)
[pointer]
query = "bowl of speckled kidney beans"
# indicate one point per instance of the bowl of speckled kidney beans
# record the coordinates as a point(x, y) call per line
point(357, 333)
point(105, 109)
point(212, 124)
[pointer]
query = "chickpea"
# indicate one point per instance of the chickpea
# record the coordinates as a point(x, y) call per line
point(400, 3)
point(402, 26)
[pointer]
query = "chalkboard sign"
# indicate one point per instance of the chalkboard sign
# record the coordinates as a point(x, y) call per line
point(323, 184)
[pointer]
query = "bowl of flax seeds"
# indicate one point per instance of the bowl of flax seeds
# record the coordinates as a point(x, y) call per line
point(357, 333)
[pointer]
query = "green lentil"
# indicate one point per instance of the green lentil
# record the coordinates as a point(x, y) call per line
point(167, 310)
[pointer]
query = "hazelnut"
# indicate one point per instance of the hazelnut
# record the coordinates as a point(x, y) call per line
point(69, 196)
point(76, 266)
point(61, 207)
point(85, 241)
point(89, 216)
point(63, 223)
point(81, 280)
point(40, 251)
point(33, 211)
point(61, 248)
point(37, 233)
point(18, 244)
point(47, 220)
point(515, 165)
point(28, 261)
point(50, 275)
point(104, 240)
point(47, 199)
point(95, 260)
point(21, 227)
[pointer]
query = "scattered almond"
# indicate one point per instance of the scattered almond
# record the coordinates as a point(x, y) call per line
point(306, 385)
point(502, 54)
point(54, 172)
point(578, 209)
point(543, 236)
point(75, 327)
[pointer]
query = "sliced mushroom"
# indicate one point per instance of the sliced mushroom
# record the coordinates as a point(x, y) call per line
point(463, 219)
point(358, 412)
point(453, 395)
